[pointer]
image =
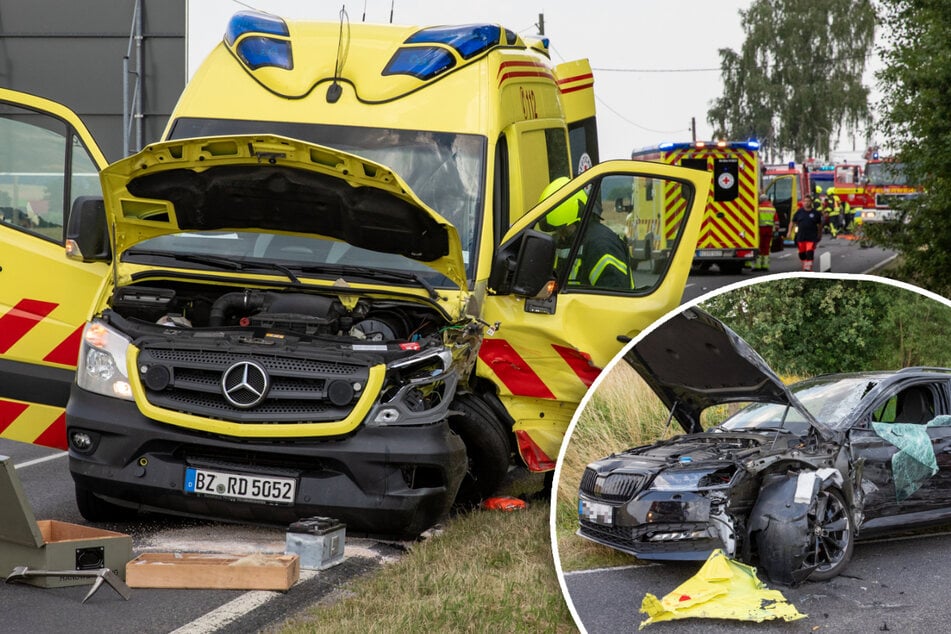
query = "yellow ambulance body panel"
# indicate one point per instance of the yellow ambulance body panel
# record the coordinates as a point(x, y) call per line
point(419, 153)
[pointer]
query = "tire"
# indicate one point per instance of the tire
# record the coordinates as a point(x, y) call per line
point(816, 548)
point(95, 509)
point(832, 535)
point(488, 452)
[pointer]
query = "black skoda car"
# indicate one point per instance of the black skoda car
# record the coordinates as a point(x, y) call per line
point(786, 483)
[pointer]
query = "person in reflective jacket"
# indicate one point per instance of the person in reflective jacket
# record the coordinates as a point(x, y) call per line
point(602, 257)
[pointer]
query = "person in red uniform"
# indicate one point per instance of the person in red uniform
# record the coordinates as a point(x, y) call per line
point(808, 221)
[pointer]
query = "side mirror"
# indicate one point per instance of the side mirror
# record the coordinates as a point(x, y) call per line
point(524, 265)
point(87, 233)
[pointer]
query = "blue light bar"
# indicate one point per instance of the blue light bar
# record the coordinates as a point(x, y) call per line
point(666, 146)
point(422, 62)
point(468, 40)
point(254, 22)
point(258, 52)
point(753, 145)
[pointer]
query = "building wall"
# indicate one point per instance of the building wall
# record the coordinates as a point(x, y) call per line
point(72, 51)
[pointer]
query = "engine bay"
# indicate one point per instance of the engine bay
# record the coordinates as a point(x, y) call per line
point(261, 313)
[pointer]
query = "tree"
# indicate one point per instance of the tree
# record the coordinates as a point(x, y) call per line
point(797, 80)
point(916, 120)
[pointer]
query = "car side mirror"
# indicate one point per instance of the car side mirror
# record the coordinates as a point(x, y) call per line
point(87, 232)
point(524, 265)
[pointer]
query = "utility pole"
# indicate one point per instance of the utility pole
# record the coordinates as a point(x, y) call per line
point(693, 129)
point(541, 24)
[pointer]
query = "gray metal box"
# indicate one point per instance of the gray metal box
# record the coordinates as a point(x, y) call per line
point(317, 541)
point(50, 544)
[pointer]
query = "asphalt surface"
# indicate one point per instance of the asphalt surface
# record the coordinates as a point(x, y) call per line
point(44, 475)
point(844, 257)
point(899, 585)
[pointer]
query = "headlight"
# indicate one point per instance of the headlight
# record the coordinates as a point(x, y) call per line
point(418, 390)
point(691, 480)
point(102, 362)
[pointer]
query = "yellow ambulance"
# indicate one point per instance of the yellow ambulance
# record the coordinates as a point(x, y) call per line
point(331, 289)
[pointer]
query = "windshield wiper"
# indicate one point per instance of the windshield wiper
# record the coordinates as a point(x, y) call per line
point(373, 274)
point(221, 262)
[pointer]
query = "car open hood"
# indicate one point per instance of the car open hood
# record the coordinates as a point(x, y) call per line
point(693, 361)
point(269, 183)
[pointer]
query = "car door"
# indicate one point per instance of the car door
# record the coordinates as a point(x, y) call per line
point(47, 160)
point(898, 420)
point(546, 352)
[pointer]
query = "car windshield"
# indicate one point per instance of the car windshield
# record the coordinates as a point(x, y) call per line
point(830, 400)
point(446, 170)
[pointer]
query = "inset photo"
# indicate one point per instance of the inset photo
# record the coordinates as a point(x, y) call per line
point(779, 451)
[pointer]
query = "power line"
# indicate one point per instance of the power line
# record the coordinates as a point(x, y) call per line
point(657, 70)
point(636, 125)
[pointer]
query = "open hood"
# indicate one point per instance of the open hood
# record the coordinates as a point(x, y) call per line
point(693, 361)
point(267, 184)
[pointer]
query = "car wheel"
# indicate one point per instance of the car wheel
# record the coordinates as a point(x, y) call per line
point(95, 509)
point(487, 449)
point(831, 535)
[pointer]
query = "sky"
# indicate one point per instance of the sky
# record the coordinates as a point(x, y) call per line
point(651, 58)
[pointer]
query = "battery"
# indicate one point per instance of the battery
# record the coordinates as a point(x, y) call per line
point(317, 541)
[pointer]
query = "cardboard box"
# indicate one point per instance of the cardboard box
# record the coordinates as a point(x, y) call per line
point(213, 571)
point(50, 544)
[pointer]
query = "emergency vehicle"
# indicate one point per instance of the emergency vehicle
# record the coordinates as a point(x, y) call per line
point(729, 234)
point(329, 289)
point(884, 183)
point(786, 184)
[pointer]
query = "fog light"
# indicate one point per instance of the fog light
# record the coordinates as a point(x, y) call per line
point(82, 441)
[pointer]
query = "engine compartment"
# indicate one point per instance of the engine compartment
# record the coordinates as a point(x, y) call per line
point(298, 314)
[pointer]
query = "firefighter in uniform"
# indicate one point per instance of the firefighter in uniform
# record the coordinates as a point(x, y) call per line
point(768, 225)
point(834, 213)
point(602, 258)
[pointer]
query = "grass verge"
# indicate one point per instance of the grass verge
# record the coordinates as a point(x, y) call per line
point(622, 413)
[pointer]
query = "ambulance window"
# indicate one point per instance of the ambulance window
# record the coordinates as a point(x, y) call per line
point(32, 171)
point(618, 234)
point(557, 146)
point(500, 190)
point(84, 176)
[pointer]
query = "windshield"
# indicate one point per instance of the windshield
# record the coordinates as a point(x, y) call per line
point(301, 256)
point(446, 170)
point(886, 173)
point(830, 400)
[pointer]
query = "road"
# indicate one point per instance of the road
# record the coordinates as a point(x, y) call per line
point(843, 256)
point(898, 585)
point(44, 474)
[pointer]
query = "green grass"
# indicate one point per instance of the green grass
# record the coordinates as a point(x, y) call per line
point(487, 571)
point(622, 413)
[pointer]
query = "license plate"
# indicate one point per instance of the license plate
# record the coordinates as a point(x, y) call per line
point(710, 253)
point(596, 512)
point(273, 489)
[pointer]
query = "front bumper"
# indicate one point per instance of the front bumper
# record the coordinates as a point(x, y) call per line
point(394, 481)
point(661, 525)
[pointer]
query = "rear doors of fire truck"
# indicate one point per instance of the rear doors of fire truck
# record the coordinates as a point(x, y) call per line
point(47, 161)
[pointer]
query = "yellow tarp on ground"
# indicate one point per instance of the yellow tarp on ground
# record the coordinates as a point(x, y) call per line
point(721, 589)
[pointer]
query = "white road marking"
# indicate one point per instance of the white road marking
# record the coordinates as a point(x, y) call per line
point(235, 609)
point(30, 463)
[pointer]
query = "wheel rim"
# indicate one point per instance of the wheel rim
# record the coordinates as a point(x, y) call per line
point(830, 532)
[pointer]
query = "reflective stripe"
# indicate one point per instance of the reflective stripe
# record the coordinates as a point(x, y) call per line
point(606, 260)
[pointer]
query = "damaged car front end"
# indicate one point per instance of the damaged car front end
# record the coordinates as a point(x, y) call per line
point(784, 483)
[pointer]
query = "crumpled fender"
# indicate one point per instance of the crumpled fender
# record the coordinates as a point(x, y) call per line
point(782, 507)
